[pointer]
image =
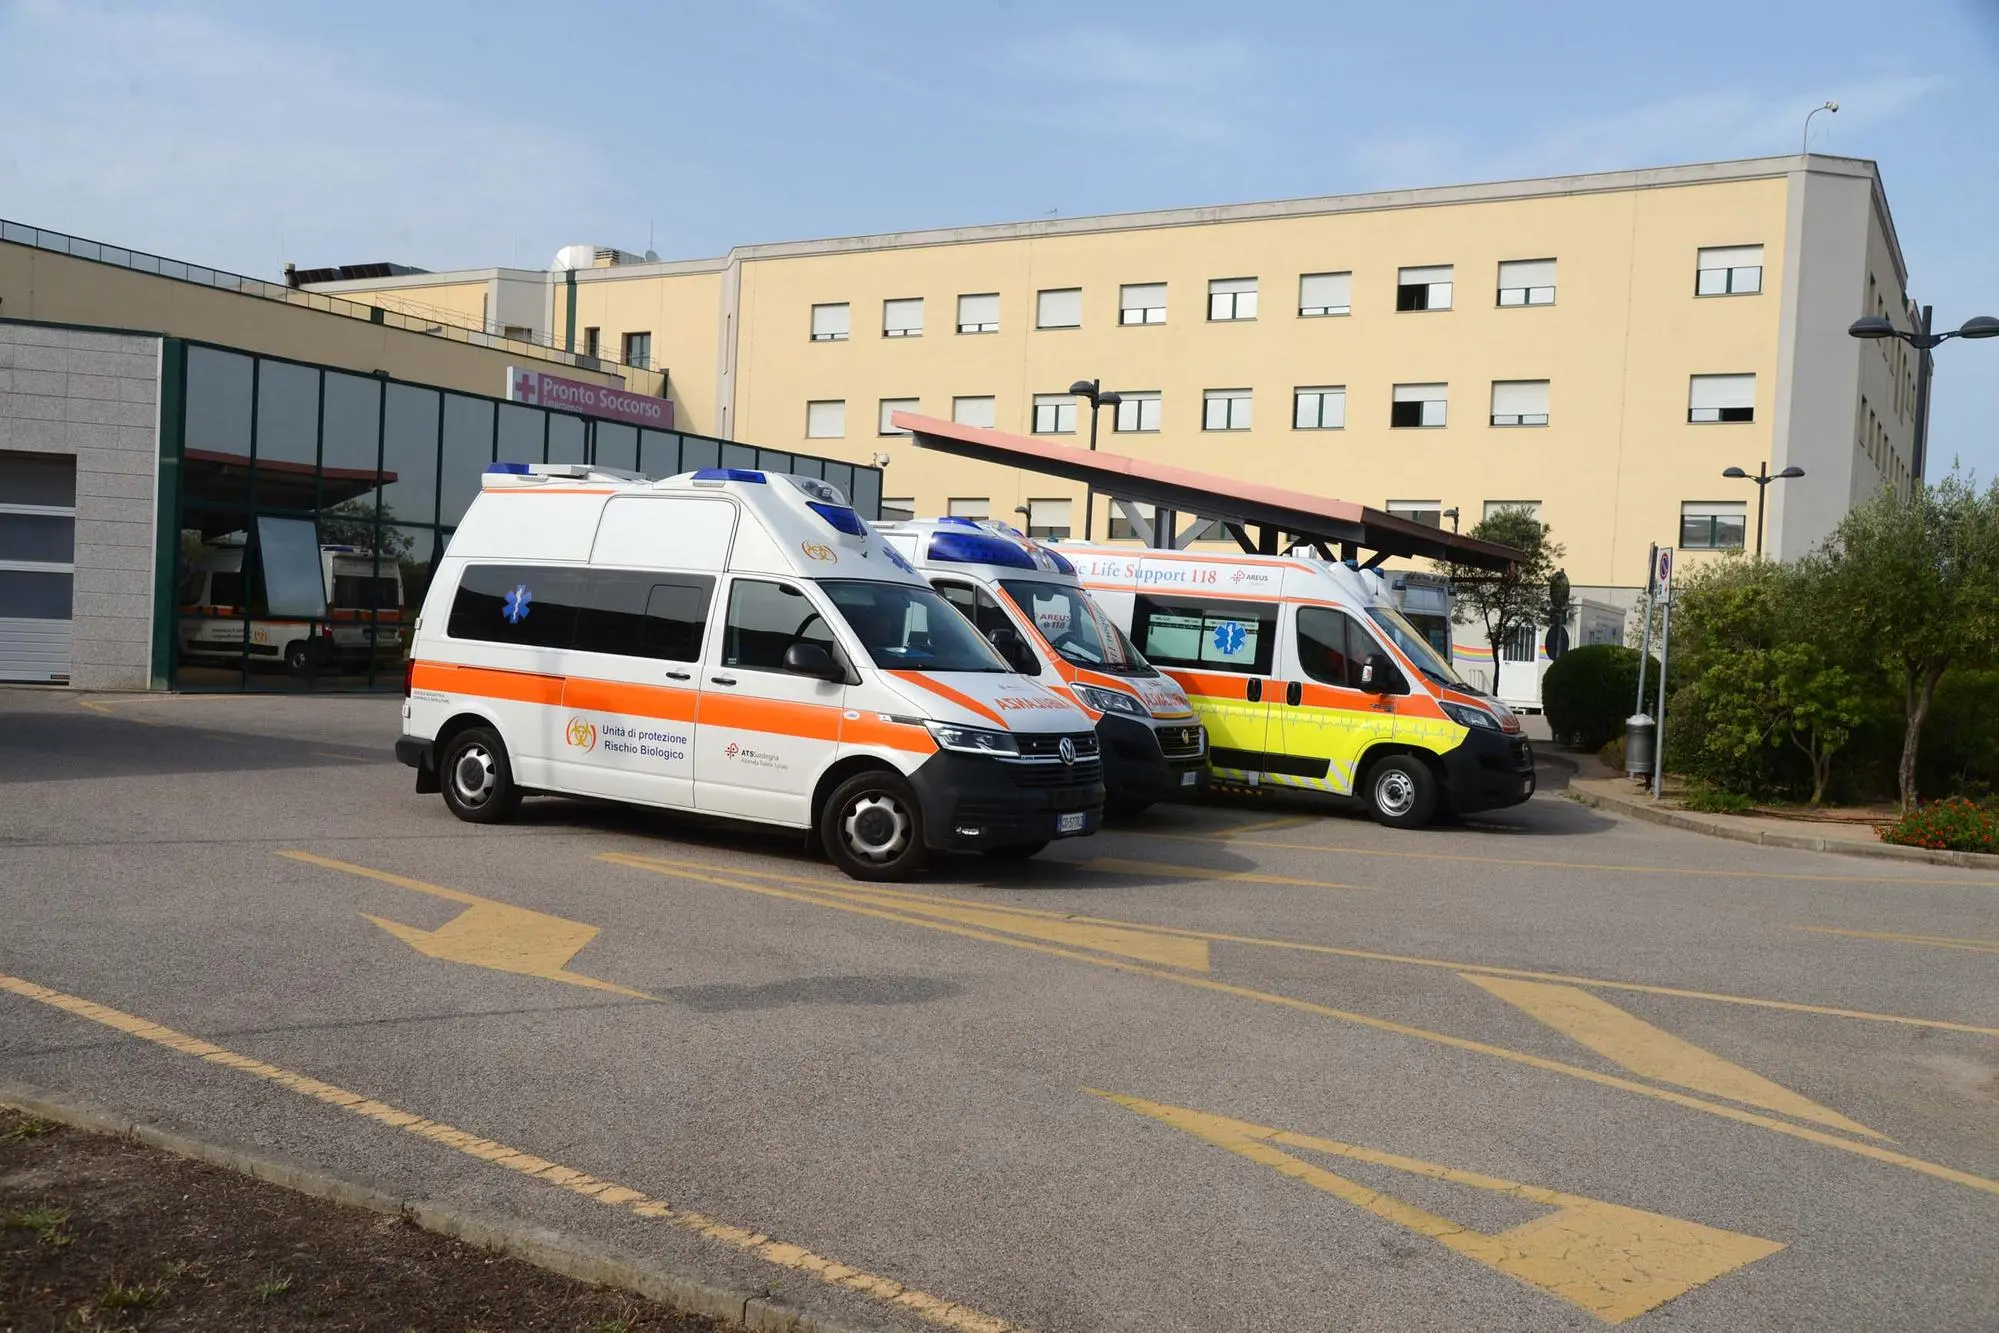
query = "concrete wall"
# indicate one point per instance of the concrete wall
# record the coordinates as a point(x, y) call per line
point(95, 396)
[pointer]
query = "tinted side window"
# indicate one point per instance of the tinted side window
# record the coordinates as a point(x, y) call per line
point(1206, 635)
point(986, 615)
point(530, 605)
point(765, 619)
point(634, 613)
point(226, 589)
point(1331, 647)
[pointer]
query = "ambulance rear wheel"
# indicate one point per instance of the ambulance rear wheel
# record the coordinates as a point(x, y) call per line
point(1401, 792)
point(872, 827)
point(1015, 851)
point(478, 781)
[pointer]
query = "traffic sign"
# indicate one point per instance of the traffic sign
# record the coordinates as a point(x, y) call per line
point(1662, 570)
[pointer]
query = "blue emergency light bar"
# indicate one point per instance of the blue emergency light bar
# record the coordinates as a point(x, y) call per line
point(729, 474)
point(841, 517)
point(977, 548)
point(507, 469)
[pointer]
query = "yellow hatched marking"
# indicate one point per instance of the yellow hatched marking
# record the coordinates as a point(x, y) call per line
point(931, 1309)
point(1615, 1262)
point(1266, 826)
point(1652, 1052)
point(1937, 941)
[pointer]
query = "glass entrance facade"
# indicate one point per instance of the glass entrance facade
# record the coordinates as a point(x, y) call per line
point(312, 504)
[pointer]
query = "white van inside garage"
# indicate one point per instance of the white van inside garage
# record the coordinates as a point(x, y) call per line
point(37, 565)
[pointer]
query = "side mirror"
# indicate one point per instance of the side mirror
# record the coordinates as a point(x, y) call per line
point(1377, 675)
point(1009, 645)
point(812, 659)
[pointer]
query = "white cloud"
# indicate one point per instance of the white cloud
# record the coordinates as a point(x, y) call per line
point(172, 130)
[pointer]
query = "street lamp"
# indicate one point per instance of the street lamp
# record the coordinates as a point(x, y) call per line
point(1451, 514)
point(1923, 340)
point(1764, 476)
point(1094, 391)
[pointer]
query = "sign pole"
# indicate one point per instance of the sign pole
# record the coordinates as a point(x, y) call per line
point(1645, 639)
point(1665, 568)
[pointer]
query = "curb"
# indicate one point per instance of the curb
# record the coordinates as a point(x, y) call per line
point(540, 1246)
point(1803, 842)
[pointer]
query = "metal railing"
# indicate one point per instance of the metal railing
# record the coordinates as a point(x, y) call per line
point(436, 324)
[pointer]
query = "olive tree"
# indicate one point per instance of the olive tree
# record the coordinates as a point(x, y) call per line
point(1516, 598)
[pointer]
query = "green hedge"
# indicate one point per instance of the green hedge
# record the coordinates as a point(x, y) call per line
point(1587, 694)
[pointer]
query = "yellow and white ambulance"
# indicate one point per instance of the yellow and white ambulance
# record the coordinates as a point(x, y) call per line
point(736, 643)
point(1308, 678)
point(1024, 596)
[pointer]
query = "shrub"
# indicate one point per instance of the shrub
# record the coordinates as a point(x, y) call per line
point(1955, 825)
point(1712, 800)
point(1587, 693)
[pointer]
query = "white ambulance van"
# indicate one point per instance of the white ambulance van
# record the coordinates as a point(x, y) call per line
point(215, 593)
point(1024, 596)
point(736, 643)
point(1308, 678)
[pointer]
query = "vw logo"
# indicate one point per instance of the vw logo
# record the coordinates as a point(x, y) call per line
point(1067, 749)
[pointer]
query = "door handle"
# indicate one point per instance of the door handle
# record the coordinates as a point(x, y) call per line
point(1294, 692)
point(679, 675)
point(1253, 691)
point(723, 680)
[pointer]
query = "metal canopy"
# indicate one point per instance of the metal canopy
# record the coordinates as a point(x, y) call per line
point(1262, 519)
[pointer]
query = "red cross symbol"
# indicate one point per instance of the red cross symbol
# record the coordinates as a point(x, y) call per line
point(524, 387)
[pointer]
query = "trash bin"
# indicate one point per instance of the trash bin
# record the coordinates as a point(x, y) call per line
point(1641, 742)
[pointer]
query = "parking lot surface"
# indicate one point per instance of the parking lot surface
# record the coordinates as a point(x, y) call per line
point(1237, 1066)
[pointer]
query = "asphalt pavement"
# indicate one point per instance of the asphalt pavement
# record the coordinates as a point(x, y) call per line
point(1240, 1066)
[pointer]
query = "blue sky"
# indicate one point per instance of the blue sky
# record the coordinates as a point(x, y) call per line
point(451, 133)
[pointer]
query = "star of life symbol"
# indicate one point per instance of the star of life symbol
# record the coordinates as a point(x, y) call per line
point(517, 603)
point(1229, 638)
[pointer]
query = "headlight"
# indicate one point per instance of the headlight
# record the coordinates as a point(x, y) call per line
point(1467, 716)
point(1110, 701)
point(972, 740)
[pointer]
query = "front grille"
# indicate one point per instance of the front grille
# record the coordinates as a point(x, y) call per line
point(1049, 746)
point(1057, 774)
point(1180, 742)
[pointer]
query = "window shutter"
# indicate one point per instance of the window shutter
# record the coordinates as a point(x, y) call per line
point(1721, 392)
point(1527, 273)
point(1060, 309)
point(903, 316)
point(1325, 290)
point(1410, 277)
point(1714, 509)
point(1520, 398)
point(826, 420)
point(979, 309)
point(978, 508)
point(1731, 256)
point(1216, 286)
point(1419, 393)
point(889, 407)
point(1048, 513)
point(829, 321)
point(973, 411)
point(1142, 296)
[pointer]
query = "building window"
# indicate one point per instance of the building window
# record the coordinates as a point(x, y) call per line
point(1121, 529)
point(1054, 414)
point(1527, 282)
point(1493, 507)
point(1713, 525)
point(1520, 402)
point(826, 419)
point(903, 317)
point(1059, 308)
point(1519, 644)
point(1419, 405)
point(974, 411)
point(1319, 408)
point(638, 350)
point(592, 338)
point(1325, 294)
point(1141, 303)
point(1423, 288)
point(1226, 409)
point(969, 508)
point(1721, 398)
point(979, 313)
point(1729, 270)
point(889, 407)
point(898, 511)
point(517, 332)
point(829, 323)
point(1048, 520)
point(1231, 298)
point(1430, 513)
point(1137, 411)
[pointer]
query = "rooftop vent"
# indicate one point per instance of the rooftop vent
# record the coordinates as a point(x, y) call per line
point(597, 256)
point(300, 277)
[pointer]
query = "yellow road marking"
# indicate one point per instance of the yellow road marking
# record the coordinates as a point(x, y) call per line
point(1366, 955)
point(1652, 1052)
point(1148, 946)
point(1112, 865)
point(932, 1309)
point(823, 897)
point(104, 710)
point(1325, 849)
point(1613, 1261)
point(1267, 826)
point(1940, 941)
point(488, 934)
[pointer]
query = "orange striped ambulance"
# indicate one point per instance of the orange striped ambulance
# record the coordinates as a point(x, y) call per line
point(735, 643)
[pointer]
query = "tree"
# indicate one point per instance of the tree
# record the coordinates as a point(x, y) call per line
point(1516, 598)
point(1916, 579)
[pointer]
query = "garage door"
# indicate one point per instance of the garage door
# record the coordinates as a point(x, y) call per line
point(37, 565)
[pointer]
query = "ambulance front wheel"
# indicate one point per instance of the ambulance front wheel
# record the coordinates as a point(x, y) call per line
point(478, 781)
point(872, 827)
point(1401, 792)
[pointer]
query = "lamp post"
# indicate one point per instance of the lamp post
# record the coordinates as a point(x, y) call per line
point(1806, 145)
point(1451, 514)
point(1764, 476)
point(1094, 391)
point(1924, 341)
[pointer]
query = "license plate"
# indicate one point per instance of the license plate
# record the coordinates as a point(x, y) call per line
point(1191, 778)
point(1069, 823)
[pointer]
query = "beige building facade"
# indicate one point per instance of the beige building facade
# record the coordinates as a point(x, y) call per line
point(1601, 347)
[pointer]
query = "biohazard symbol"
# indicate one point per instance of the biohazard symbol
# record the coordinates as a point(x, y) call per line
point(581, 735)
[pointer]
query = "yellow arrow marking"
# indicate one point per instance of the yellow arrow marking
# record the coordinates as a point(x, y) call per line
point(1938, 941)
point(1653, 1052)
point(1613, 1261)
point(487, 934)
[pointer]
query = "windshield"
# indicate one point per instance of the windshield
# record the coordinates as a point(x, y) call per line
point(1076, 627)
point(909, 627)
point(1415, 647)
